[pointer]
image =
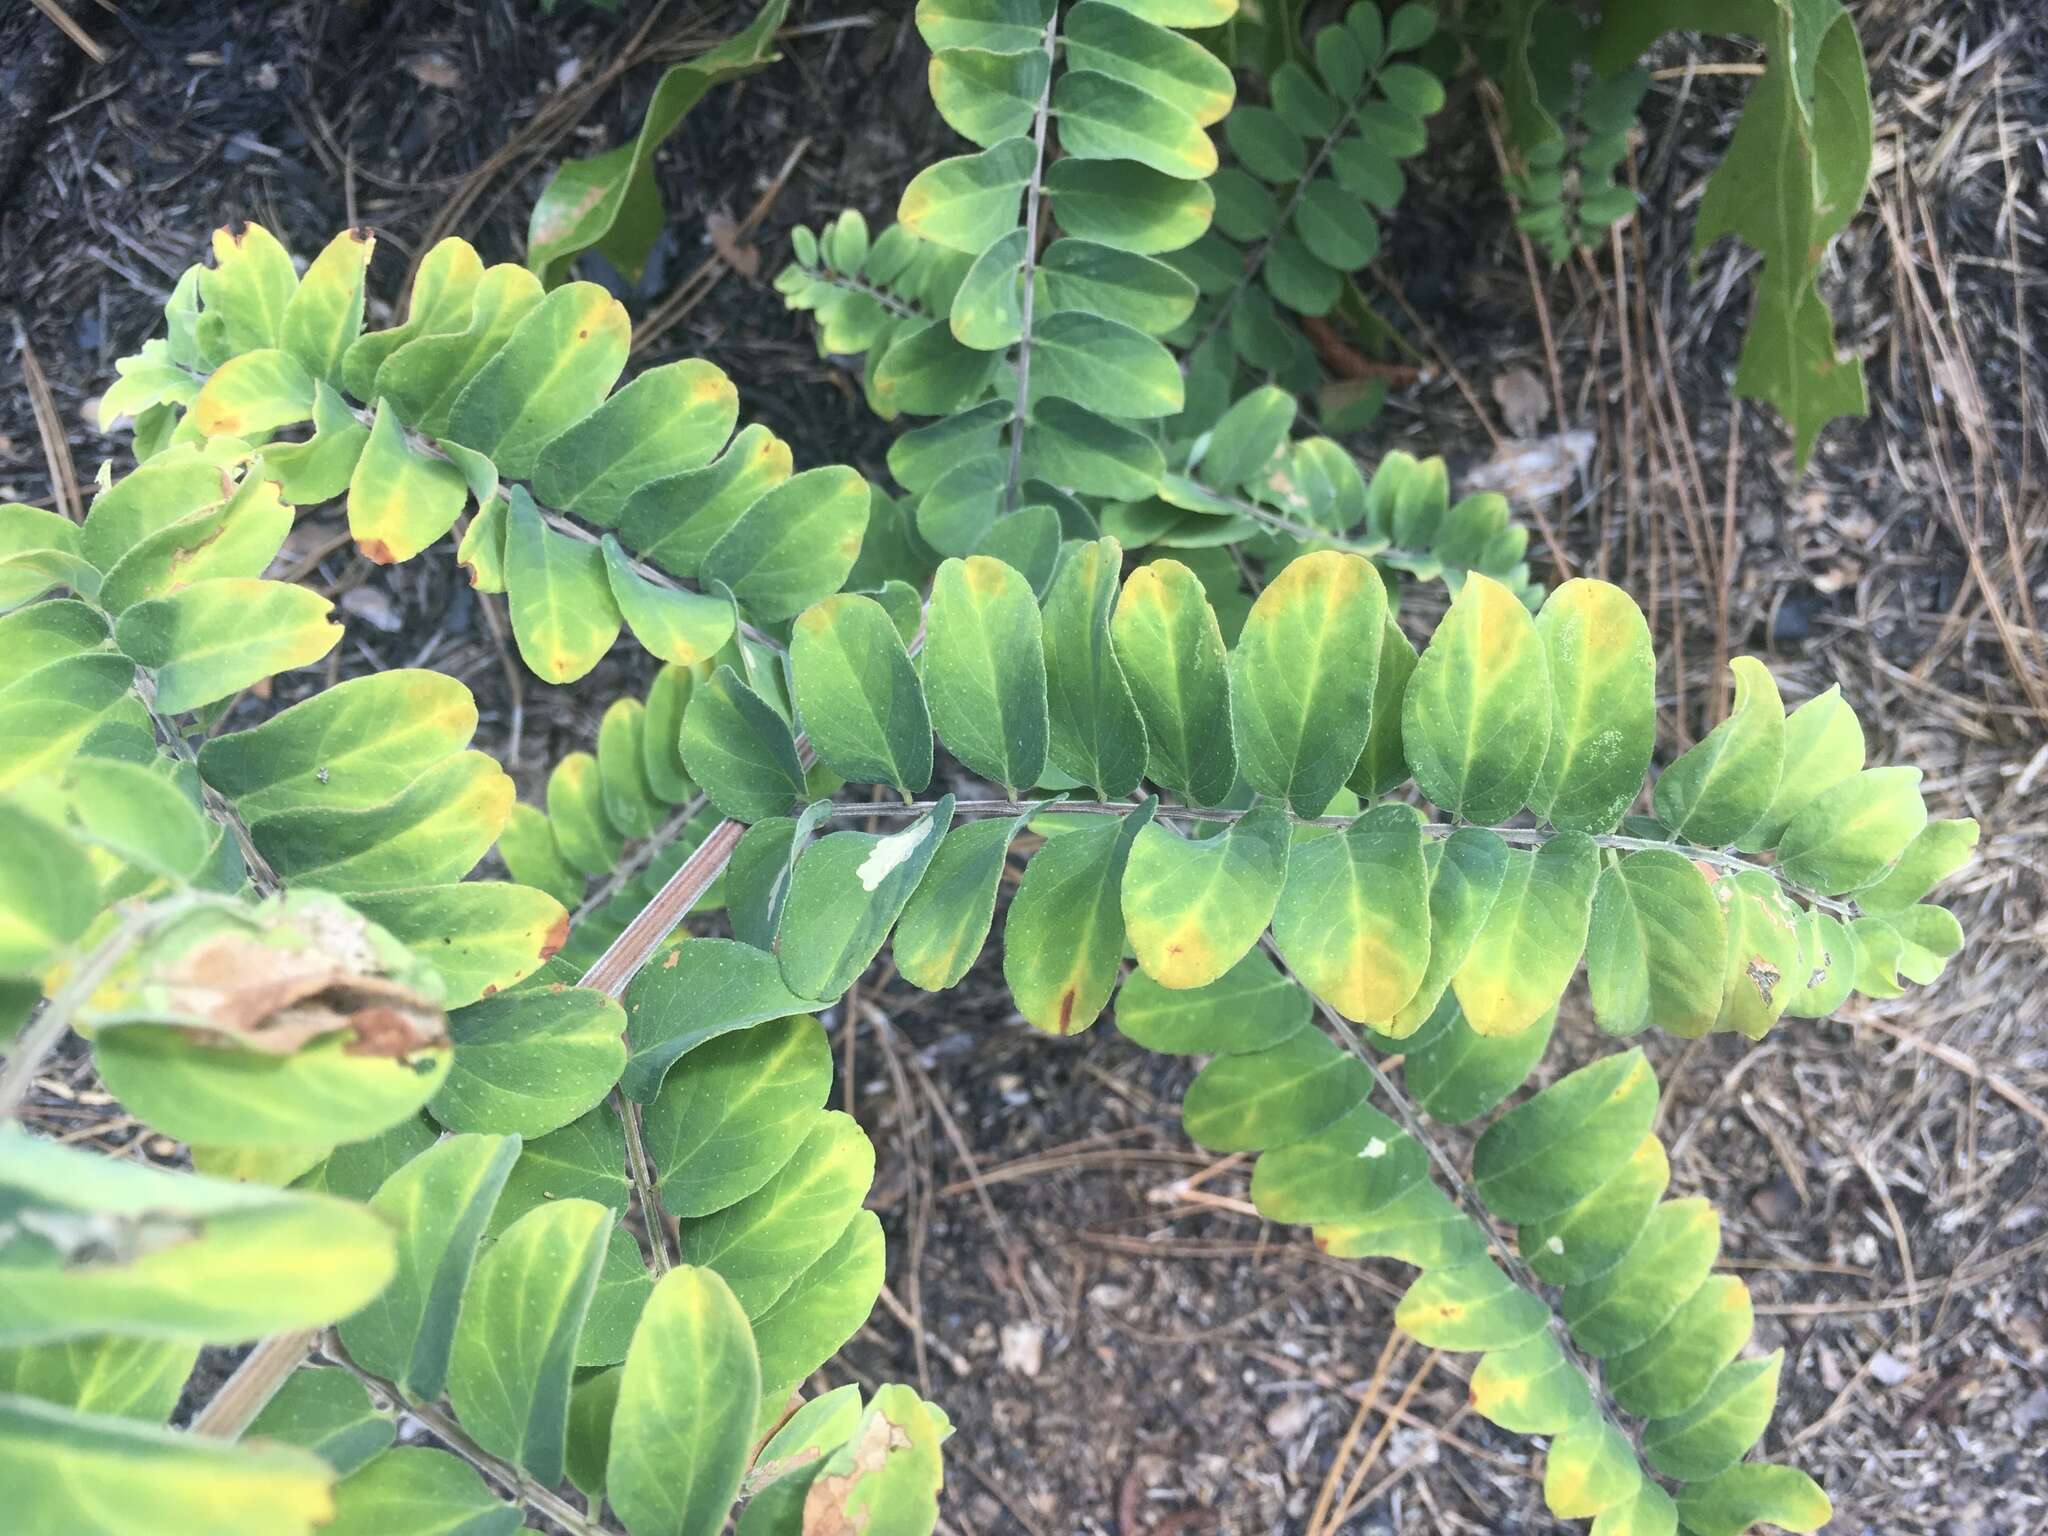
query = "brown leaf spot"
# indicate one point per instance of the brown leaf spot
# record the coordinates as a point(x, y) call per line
point(1066, 1010)
point(557, 936)
point(825, 1506)
point(377, 551)
point(1764, 977)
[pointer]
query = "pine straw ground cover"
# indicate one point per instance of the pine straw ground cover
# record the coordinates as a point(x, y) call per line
point(1124, 1347)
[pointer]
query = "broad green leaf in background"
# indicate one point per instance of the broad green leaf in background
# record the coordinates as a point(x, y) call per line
point(734, 1110)
point(700, 989)
point(858, 695)
point(49, 895)
point(946, 922)
point(1098, 736)
point(1064, 935)
point(761, 1244)
point(984, 670)
point(1603, 705)
point(327, 1411)
point(610, 201)
point(1532, 938)
point(1476, 716)
point(115, 1377)
point(1353, 921)
point(1247, 1008)
point(528, 1063)
point(1301, 678)
point(580, 827)
point(584, 1160)
point(214, 638)
point(438, 1204)
point(686, 1408)
point(515, 1340)
point(1657, 945)
point(419, 1489)
point(1194, 907)
point(1167, 639)
point(1721, 788)
point(845, 894)
point(145, 1481)
point(563, 613)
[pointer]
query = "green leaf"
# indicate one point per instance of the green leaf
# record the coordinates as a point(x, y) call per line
point(610, 201)
point(1064, 935)
point(1603, 706)
point(1194, 908)
point(1718, 1430)
point(120, 1378)
point(680, 627)
point(1268, 1098)
point(1103, 366)
point(1530, 1389)
point(1552, 1151)
point(734, 1111)
point(1671, 1370)
point(795, 545)
point(1657, 946)
point(1421, 1228)
point(1936, 852)
point(563, 613)
point(927, 372)
point(1458, 1074)
point(1090, 455)
point(1353, 922)
point(1244, 441)
point(443, 294)
point(1465, 875)
point(844, 896)
point(1347, 1172)
point(1849, 835)
point(697, 991)
point(1126, 206)
point(438, 1205)
point(628, 800)
point(1266, 145)
point(1591, 1468)
point(515, 1341)
point(49, 894)
point(1751, 1493)
point(246, 1261)
point(984, 670)
point(1649, 1513)
point(530, 1062)
point(946, 921)
point(1114, 40)
point(967, 202)
point(253, 394)
point(480, 936)
point(740, 750)
point(675, 521)
point(686, 1406)
point(245, 293)
point(858, 695)
point(1171, 654)
point(239, 537)
point(1470, 1306)
point(1532, 938)
point(1475, 720)
point(420, 1491)
point(433, 830)
point(1764, 953)
point(215, 638)
point(424, 378)
point(325, 315)
point(400, 499)
point(328, 1412)
point(761, 1244)
point(1147, 295)
point(556, 368)
point(581, 828)
point(668, 420)
point(1097, 733)
point(1249, 1007)
point(1301, 678)
point(987, 96)
point(825, 1307)
point(1721, 788)
point(1620, 1309)
point(66, 1473)
point(1104, 118)
point(1823, 746)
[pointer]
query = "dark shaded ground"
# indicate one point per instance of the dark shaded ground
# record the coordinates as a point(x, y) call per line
point(1880, 1176)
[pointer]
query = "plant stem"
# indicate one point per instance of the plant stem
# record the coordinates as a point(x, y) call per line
point(1034, 196)
point(263, 1370)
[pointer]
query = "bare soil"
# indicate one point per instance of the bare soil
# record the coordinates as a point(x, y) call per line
point(1119, 1354)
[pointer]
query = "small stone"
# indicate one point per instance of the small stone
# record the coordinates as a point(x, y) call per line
point(1023, 1348)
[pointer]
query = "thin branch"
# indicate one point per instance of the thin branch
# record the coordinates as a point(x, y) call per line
point(902, 308)
point(643, 855)
point(1519, 837)
point(241, 1397)
point(1034, 196)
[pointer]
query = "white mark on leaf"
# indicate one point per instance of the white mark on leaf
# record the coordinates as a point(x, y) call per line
point(1555, 1245)
point(1373, 1148)
point(890, 852)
